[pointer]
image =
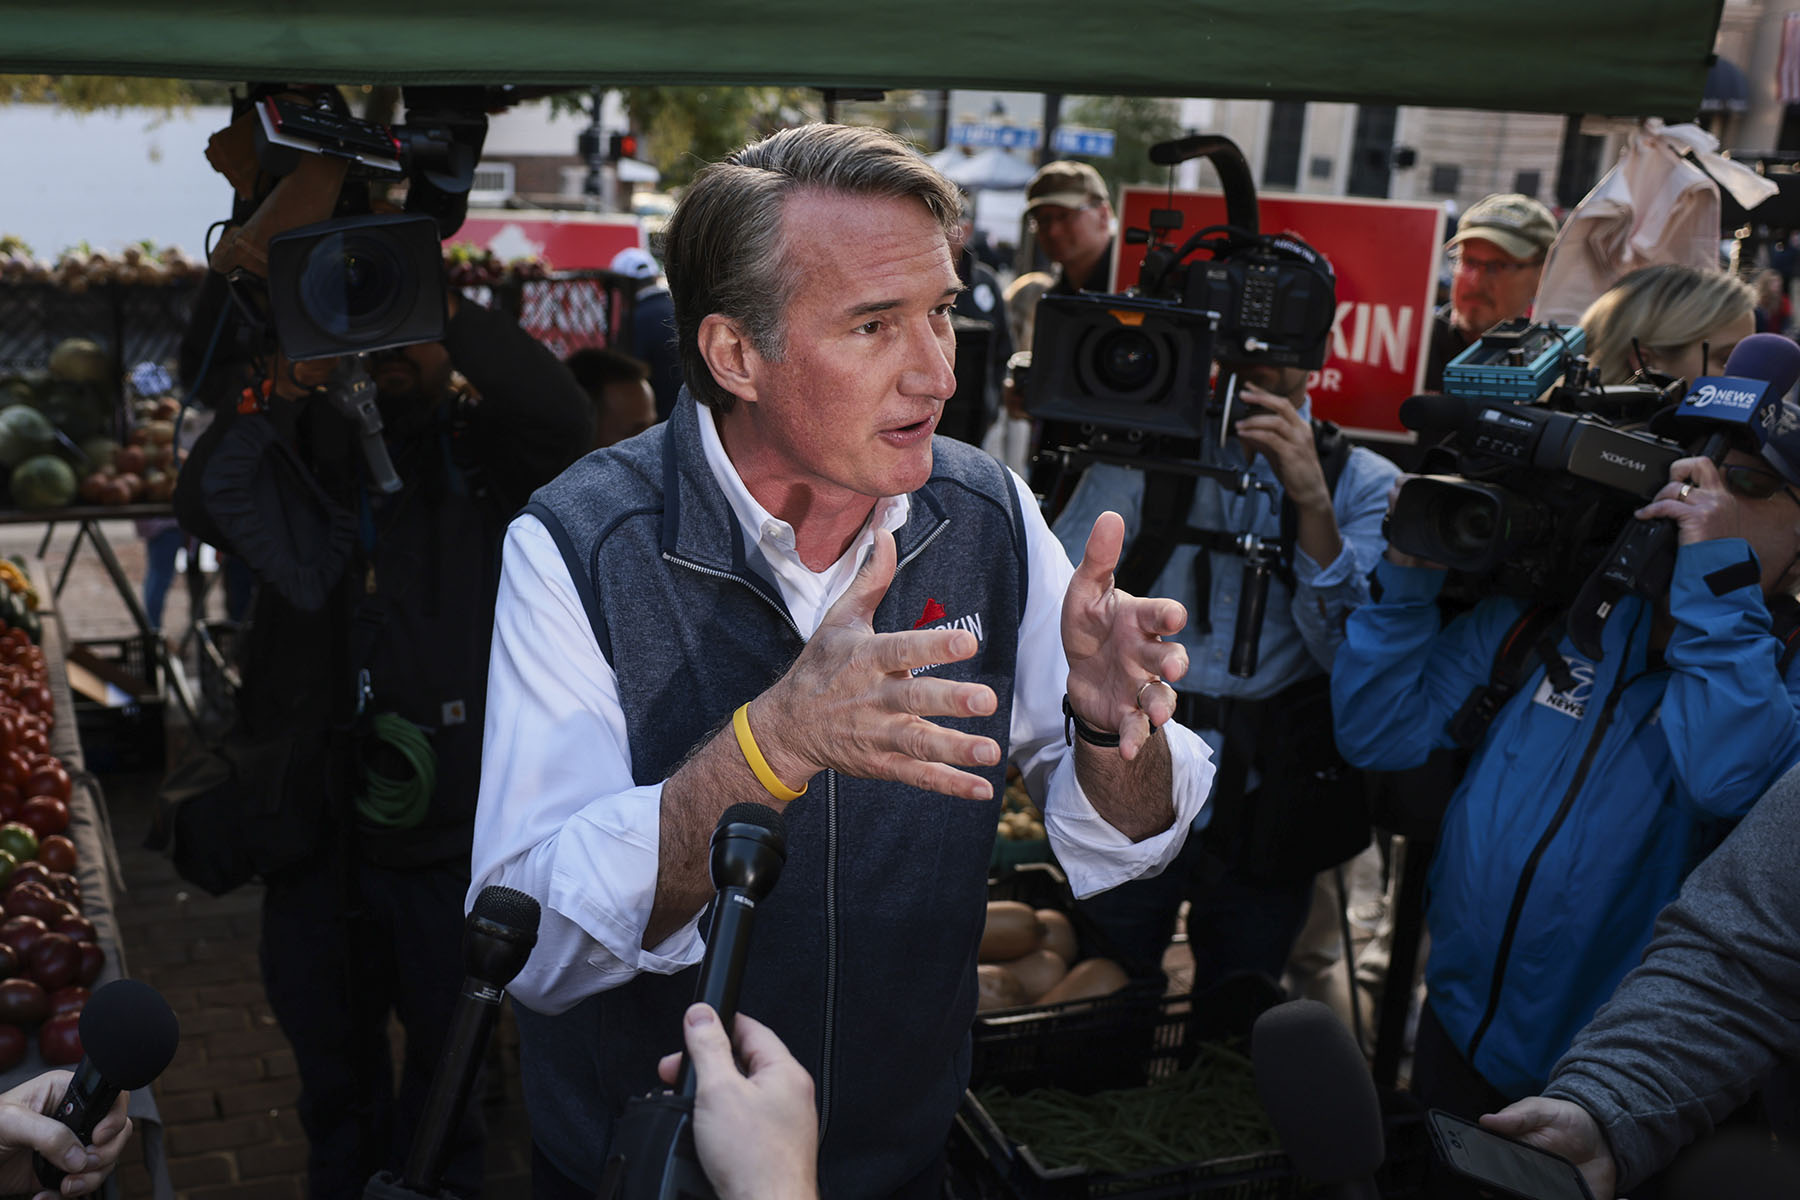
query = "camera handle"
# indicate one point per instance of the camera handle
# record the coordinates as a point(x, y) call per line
point(653, 1155)
point(352, 393)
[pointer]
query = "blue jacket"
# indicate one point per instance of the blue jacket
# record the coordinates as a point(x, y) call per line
point(1581, 812)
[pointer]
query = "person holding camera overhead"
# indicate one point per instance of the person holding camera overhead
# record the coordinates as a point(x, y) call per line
point(1247, 870)
point(365, 671)
point(1598, 783)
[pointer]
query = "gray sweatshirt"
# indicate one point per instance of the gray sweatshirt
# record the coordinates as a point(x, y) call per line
point(1713, 1007)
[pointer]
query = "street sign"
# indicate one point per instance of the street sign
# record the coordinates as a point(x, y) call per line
point(1385, 255)
point(1082, 142)
point(1007, 137)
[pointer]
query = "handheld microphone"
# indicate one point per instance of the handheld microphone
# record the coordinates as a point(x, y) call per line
point(1747, 399)
point(498, 936)
point(128, 1037)
point(653, 1153)
point(1320, 1097)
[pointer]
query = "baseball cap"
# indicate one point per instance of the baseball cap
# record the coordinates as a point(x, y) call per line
point(1066, 184)
point(634, 262)
point(1517, 224)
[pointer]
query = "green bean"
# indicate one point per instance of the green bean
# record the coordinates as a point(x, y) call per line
point(1208, 1111)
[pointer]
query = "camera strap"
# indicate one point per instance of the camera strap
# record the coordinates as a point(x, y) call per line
point(1533, 636)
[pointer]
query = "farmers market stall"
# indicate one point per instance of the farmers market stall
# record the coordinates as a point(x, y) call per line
point(97, 880)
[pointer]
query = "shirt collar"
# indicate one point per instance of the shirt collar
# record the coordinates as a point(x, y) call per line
point(762, 529)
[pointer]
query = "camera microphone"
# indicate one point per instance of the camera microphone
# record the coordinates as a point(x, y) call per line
point(128, 1037)
point(1316, 1087)
point(653, 1152)
point(498, 936)
point(1434, 412)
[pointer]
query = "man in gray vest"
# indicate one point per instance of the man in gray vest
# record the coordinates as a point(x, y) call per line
point(791, 593)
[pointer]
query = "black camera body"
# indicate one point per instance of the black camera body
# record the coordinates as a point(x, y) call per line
point(1142, 362)
point(1537, 492)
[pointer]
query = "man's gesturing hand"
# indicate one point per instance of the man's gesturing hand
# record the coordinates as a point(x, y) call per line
point(851, 701)
point(1113, 641)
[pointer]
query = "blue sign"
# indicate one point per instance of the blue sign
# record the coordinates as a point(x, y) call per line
point(1008, 137)
point(1084, 143)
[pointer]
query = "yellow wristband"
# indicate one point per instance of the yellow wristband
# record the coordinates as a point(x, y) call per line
point(740, 725)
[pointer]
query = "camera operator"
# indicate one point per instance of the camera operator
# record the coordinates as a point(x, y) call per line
point(366, 664)
point(1588, 799)
point(1248, 882)
point(1496, 261)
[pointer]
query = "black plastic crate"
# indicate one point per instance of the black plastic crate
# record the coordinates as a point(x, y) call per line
point(1082, 1045)
point(127, 737)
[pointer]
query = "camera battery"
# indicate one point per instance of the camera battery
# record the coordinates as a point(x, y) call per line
point(1516, 361)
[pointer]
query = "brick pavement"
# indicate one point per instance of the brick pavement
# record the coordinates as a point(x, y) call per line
point(228, 1099)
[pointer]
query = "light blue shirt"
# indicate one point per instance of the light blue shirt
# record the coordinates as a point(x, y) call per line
point(1303, 625)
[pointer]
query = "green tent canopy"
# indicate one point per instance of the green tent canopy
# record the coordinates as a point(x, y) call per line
point(1623, 57)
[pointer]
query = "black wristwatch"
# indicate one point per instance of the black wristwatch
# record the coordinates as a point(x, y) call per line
point(1074, 727)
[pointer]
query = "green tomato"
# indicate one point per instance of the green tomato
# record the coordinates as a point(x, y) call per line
point(18, 840)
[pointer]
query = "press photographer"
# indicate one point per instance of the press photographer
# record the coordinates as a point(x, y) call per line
point(369, 492)
point(1264, 522)
point(1598, 777)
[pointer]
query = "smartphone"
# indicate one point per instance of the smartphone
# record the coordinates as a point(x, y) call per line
point(1509, 1168)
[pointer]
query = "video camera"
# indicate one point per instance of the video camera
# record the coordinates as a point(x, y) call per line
point(1141, 363)
point(1546, 467)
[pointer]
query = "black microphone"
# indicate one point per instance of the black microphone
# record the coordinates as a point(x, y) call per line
point(128, 1037)
point(749, 848)
point(653, 1155)
point(498, 936)
point(1316, 1087)
point(1436, 412)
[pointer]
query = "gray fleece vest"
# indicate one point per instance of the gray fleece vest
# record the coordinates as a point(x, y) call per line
point(863, 957)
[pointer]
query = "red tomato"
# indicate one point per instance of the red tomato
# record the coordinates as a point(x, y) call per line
point(45, 814)
point(10, 800)
point(37, 698)
point(59, 1041)
point(68, 1000)
point(55, 851)
point(35, 740)
point(47, 779)
point(93, 960)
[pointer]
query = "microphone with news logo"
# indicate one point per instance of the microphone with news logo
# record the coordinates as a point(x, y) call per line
point(498, 936)
point(653, 1152)
point(1746, 400)
point(128, 1037)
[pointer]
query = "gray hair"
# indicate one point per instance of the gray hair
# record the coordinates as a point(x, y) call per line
point(724, 251)
point(1662, 308)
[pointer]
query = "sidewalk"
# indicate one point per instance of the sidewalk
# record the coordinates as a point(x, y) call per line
point(227, 1101)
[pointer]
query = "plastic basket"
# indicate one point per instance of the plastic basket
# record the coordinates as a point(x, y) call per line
point(127, 737)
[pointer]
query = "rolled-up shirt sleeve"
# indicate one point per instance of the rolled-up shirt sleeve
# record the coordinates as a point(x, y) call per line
point(560, 816)
point(1094, 855)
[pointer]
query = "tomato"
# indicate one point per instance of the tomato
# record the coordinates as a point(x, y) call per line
point(68, 1000)
point(22, 1002)
point(48, 779)
point(59, 1041)
point(56, 852)
point(93, 961)
point(12, 1047)
point(35, 739)
point(53, 961)
point(32, 899)
point(77, 927)
point(19, 840)
point(9, 961)
point(10, 800)
point(37, 698)
point(45, 814)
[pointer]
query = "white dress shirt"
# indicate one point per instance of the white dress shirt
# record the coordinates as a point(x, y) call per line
point(561, 819)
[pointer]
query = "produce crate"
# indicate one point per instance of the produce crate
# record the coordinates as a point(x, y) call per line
point(126, 737)
point(1083, 1045)
point(134, 322)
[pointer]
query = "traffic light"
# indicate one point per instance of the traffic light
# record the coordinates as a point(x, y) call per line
point(623, 145)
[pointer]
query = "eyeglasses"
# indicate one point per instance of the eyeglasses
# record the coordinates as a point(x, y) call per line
point(1053, 215)
point(1492, 268)
point(1755, 483)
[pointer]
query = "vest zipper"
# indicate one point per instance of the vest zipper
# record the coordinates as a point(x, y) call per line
point(831, 954)
point(780, 610)
point(1601, 724)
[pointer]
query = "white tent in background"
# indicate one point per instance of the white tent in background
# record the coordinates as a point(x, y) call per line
point(993, 168)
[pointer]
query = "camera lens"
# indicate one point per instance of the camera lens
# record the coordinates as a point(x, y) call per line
point(354, 286)
point(1469, 528)
point(1125, 359)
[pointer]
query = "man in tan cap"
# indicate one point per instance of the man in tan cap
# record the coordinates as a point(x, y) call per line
point(1067, 207)
point(1496, 258)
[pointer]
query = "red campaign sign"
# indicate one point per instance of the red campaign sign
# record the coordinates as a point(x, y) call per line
point(565, 241)
point(1385, 254)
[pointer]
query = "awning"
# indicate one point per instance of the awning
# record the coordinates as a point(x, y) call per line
point(1620, 57)
point(1727, 88)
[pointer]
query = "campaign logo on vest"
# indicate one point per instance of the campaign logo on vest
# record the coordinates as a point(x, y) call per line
point(1572, 703)
point(936, 616)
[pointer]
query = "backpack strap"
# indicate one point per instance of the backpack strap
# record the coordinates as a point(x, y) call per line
point(1533, 637)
